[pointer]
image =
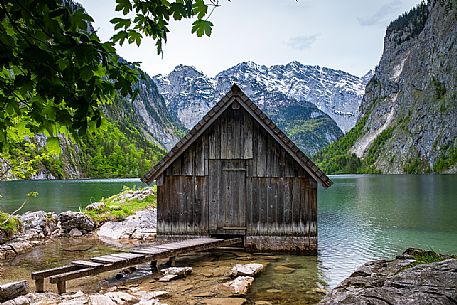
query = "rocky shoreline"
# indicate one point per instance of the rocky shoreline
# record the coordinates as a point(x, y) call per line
point(403, 281)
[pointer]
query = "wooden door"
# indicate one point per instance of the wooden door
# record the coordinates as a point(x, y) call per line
point(227, 196)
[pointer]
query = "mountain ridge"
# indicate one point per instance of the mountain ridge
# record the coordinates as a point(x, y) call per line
point(408, 113)
point(277, 90)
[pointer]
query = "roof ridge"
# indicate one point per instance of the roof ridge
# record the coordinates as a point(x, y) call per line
point(257, 113)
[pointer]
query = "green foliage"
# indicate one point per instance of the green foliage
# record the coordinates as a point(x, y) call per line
point(440, 88)
point(9, 225)
point(374, 151)
point(447, 159)
point(426, 257)
point(107, 152)
point(336, 159)
point(111, 153)
point(54, 70)
point(55, 73)
point(120, 206)
point(415, 165)
point(413, 21)
point(152, 17)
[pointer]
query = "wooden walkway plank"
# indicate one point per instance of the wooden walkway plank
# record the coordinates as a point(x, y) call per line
point(53, 271)
point(86, 263)
point(99, 264)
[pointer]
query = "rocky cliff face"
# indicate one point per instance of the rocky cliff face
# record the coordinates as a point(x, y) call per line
point(408, 116)
point(304, 101)
point(411, 99)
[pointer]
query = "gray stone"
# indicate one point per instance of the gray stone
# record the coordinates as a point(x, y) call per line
point(21, 246)
point(142, 226)
point(246, 269)
point(96, 206)
point(392, 282)
point(99, 299)
point(283, 269)
point(224, 301)
point(240, 285)
point(12, 290)
point(75, 220)
point(181, 271)
point(75, 233)
point(38, 224)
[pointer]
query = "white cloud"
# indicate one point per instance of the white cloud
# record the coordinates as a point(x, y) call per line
point(385, 11)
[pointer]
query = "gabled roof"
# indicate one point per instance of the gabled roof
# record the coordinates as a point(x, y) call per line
point(236, 94)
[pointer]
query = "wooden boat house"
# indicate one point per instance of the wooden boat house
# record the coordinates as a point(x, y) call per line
point(237, 174)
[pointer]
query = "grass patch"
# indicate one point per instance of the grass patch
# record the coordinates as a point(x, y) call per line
point(120, 206)
point(9, 226)
point(425, 257)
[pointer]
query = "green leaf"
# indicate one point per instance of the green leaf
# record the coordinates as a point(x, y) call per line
point(200, 9)
point(202, 27)
point(123, 5)
point(121, 23)
point(53, 145)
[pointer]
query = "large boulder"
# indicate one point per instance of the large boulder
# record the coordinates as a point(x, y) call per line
point(142, 226)
point(38, 224)
point(75, 220)
point(246, 269)
point(398, 282)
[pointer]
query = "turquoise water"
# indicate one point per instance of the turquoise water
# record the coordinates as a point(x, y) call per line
point(59, 195)
point(366, 217)
point(360, 218)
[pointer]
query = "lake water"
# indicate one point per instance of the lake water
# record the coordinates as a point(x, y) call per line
point(59, 195)
point(360, 218)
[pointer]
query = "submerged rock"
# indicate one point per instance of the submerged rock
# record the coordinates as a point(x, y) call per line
point(246, 269)
point(240, 285)
point(399, 282)
point(174, 273)
point(224, 301)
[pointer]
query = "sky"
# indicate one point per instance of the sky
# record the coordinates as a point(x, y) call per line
point(340, 34)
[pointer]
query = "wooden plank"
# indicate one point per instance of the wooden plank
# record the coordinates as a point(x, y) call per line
point(107, 259)
point(287, 203)
point(261, 154)
point(126, 255)
point(236, 135)
point(296, 203)
point(187, 161)
point(280, 206)
point(247, 136)
point(148, 251)
point(73, 275)
point(86, 263)
point(199, 158)
point(48, 272)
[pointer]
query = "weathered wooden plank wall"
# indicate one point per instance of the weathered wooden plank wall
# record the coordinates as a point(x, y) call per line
point(237, 175)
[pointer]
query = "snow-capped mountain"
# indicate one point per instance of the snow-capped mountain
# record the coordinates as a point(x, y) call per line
point(306, 102)
point(190, 94)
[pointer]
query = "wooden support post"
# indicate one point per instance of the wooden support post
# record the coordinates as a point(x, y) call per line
point(39, 285)
point(61, 287)
point(172, 261)
point(154, 266)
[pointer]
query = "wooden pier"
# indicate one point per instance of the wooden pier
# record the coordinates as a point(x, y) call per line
point(140, 255)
